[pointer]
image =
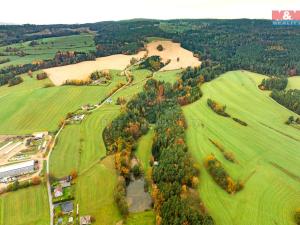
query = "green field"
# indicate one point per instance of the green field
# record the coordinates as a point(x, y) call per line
point(94, 193)
point(25, 206)
point(168, 76)
point(142, 218)
point(293, 83)
point(48, 47)
point(267, 152)
point(30, 107)
point(80, 146)
point(143, 152)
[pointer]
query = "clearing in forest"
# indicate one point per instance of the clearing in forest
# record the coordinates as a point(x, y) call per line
point(180, 57)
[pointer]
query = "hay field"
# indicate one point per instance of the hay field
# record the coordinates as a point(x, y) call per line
point(267, 151)
point(82, 70)
point(173, 51)
point(25, 206)
point(29, 107)
point(47, 48)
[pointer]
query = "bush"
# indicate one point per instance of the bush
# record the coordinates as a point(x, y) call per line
point(217, 107)
point(136, 170)
point(41, 76)
point(36, 180)
point(240, 121)
point(160, 47)
point(15, 80)
point(120, 197)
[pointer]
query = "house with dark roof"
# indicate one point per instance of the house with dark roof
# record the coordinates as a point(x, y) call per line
point(67, 207)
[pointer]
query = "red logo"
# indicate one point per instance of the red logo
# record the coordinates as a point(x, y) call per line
point(285, 15)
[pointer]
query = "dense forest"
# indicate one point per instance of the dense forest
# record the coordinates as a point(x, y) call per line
point(278, 83)
point(222, 45)
point(175, 174)
point(290, 99)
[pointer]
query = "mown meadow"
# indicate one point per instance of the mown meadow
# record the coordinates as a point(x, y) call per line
point(266, 152)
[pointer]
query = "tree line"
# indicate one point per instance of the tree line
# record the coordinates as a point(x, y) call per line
point(278, 83)
point(174, 174)
point(289, 99)
point(60, 59)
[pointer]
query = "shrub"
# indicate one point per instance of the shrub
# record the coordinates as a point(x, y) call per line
point(41, 76)
point(15, 80)
point(120, 196)
point(36, 180)
point(160, 47)
point(217, 107)
point(240, 121)
point(136, 170)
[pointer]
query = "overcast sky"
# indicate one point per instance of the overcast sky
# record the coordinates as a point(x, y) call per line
point(83, 11)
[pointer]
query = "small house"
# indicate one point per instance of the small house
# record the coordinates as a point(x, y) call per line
point(109, 100)
point(58, 191)
point(64, 183)
point(85, 220)
point(67, 207)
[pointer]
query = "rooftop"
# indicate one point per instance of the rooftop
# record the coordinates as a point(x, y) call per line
point(16, 166)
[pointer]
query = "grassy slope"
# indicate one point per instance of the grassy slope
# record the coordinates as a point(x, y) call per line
point(79, 146)
point(143, 152)
point(26, 206)
point(270, 196)
point(29, 107)
point(168, 76)
point(294, 83)
point(83, 42)
point(94, 193)
point(142, 218)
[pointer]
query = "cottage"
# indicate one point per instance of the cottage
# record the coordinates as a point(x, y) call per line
point(67, 207)
point(109, 100)
point(85, 220)
point(78, 117)
point(58, 191)
point(17, 169)
point(64, 183)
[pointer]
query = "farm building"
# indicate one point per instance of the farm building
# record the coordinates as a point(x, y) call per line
point(17, 169)
point(40, 135)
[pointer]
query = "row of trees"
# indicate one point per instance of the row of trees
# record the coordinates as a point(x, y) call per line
point(227, 155)
point(220, 176)
point(290, 99)
point(217, 107)
point(60, 59)
point(278, 83)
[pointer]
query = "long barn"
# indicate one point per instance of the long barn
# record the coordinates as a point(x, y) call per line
point(17, 169)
